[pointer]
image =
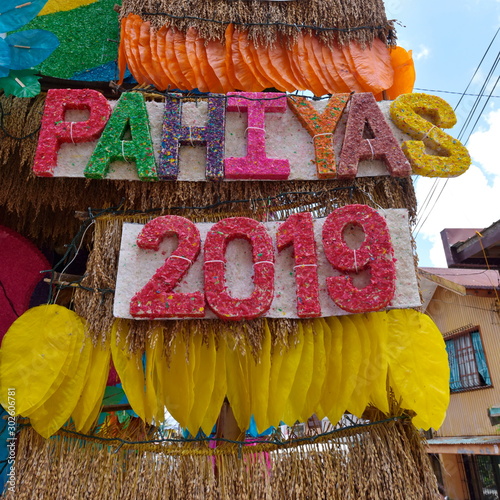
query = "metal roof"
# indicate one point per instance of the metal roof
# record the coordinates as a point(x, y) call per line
point(464, 440)
point(461, 280)
point(465, 445)
point(472, 247)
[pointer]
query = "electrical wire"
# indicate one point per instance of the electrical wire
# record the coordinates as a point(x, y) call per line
point(477, 68)
point(478, 99)
point(482, 111)
point(431, 209)
point(427, 209)
point(9, 300)
point(435, 91)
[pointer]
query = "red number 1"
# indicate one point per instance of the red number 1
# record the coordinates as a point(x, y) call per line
point(298, 230)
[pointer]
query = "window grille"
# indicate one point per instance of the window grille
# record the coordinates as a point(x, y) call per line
point(468, 367)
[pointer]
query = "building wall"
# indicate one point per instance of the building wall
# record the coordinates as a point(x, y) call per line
point(467, 414)
point(454, 477)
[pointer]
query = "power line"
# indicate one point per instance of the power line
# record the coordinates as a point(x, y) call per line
point(478, 66)
point(452, 92)
point(432, 208)
point(482, 111)
point(425, 212)
point(478, 99)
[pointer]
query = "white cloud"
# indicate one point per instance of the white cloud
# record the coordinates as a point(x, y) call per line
point(479, 77)
point(484, 145)
point(470, 200)
point(422, 53)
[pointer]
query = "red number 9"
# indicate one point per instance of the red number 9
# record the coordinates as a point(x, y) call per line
point(375, 255)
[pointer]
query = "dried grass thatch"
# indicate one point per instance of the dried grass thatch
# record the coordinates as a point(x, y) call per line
point(378, 461)
point(339, 20)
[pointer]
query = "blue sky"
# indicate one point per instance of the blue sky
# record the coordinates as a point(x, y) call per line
point(448, 40)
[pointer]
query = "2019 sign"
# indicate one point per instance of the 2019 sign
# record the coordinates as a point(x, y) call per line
point(239, 268)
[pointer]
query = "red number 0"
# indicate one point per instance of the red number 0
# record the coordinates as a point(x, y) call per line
point(375, 254)
point(259, 302)
point(156, 299)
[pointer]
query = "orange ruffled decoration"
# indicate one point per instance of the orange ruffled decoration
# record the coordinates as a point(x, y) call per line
point(172, 59)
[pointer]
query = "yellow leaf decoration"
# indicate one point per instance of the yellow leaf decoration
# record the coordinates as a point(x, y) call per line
point(303, 376)
point(361, 394)
point(329, 403)
point(284, 366)
point(151, 398)
point(418, 366)
point(176, 379)
point(331, 365)
point(159, 373)
point(53, 414)
point(36, 354)
point(89, 404)
point(259, 372)
point(377, 327)
point(203, 381)
point(314, 393)
point(129, 367)
point(219, 389)
point(351, 364)
point(238, 390)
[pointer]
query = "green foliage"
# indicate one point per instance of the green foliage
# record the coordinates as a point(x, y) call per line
point(21, 83)
point(89, 37)
point(23, 49)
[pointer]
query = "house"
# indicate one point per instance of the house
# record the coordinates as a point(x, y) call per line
point(463, 300)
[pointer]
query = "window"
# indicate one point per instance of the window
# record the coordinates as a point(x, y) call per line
point(468, 368)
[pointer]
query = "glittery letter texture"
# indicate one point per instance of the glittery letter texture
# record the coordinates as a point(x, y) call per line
point(55, 130)
point(321, 128)
point(365, 116)
point(130, 111)
point(219, 300)
point(405, 113)
point(157, 299)
point(298, 231)
point(256, 165)
point(174, 134)
point(375, 254)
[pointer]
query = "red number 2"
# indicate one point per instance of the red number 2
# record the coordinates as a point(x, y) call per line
point(375, 254)
point(157, 299)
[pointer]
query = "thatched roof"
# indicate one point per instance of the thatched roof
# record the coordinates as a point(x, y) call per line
point(343, 20)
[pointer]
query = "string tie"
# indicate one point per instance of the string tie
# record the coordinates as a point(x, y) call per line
point(183, 258)
point(428, 132)
point(324, 133)
point(254, 128)
point(371, 148)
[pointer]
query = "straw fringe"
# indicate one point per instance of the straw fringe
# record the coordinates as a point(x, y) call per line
point(376, 462)
point(267, 22)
